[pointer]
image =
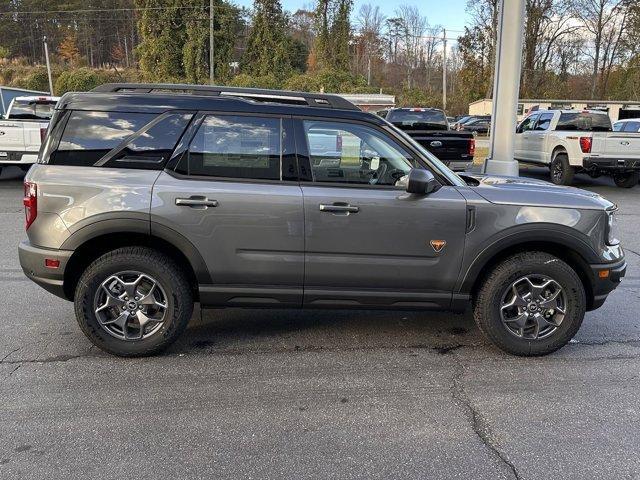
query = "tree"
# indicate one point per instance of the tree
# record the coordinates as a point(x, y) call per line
point(333, 33)
point(68, 49)
point(605, 21)
point(268, 45)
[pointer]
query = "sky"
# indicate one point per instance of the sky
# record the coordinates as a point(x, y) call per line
point(450, 14)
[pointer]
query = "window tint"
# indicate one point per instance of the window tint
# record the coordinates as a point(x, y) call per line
point(528, 123)
point(350, 153)
point(584, 121)
point(152, 146)
point(237, 147)
point(417, 118)
point(88, 136)
point(32, 110)
point(544, 121)
point(632, 127)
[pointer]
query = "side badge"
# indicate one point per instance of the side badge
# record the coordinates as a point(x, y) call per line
point(438, 245)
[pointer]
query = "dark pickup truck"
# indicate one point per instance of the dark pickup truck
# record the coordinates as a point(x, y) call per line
point(430, 128)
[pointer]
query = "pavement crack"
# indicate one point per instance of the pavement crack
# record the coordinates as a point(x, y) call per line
point(9, 354)
point(478, 422)
point(632, 251)
point(54, 359)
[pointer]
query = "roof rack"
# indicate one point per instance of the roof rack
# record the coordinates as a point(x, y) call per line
point(319, 100)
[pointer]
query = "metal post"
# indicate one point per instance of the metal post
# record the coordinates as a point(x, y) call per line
point(211, 44)
point(506, 86)
point(46, 57)
point(444, 70)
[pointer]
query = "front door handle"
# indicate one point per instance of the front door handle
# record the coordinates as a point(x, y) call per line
point(339, 208)
point(196, 201)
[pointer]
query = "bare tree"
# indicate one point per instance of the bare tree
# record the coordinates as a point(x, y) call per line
point(414, 27)
point(604, 21)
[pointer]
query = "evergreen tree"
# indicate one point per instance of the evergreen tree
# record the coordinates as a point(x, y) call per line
point(333, 32)
point(268, 47)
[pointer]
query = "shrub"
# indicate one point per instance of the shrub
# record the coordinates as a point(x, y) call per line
point(81, 80)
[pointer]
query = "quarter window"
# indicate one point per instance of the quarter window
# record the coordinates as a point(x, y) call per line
point(233, 146)
point(351, 153)
point(88, 136)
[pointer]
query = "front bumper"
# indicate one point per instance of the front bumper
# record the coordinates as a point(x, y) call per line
point(602, 287)
point(597, 163)
point(32, 261)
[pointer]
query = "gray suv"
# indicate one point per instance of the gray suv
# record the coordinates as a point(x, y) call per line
point(148, 198)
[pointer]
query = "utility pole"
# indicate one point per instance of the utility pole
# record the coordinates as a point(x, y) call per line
point(506, 87)
point(126, 51)
point(444, 69)
point(46, 57)
point(369, 70)
point(211, 44)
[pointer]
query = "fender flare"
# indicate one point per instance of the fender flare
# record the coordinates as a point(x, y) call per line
point(145, 227)
point(556, 236)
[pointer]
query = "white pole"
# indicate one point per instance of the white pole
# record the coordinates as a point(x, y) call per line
point(444, 70)
point(506, 86)
point(46, 57)
point(211, 44)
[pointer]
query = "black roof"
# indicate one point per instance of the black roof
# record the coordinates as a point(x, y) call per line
point(162, 101)
point(317, 100)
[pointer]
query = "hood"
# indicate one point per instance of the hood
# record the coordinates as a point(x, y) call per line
point(529, 191)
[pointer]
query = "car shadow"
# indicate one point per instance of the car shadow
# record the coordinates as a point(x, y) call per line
point(237, 331)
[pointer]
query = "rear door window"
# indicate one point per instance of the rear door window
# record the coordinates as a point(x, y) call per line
point(544, 121)
point(234, 146)
point(632, 127)
point(88, 136)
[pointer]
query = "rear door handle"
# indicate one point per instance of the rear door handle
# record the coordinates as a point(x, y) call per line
point(339, 208)
point(196, 201)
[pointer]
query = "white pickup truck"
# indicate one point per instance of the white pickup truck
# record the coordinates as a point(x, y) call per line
point(571, 141)
point(23, 128)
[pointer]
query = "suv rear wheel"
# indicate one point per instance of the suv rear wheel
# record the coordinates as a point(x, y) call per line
point(530, 304)
point(561, 172)
point(133, 301)
point(626, 180)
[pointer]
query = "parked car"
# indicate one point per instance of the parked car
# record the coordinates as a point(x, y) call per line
point(476, 125)
point(23, 128)
point(570, 141)
point(430, 128)
point(143, 202)
point(631, 125)
point(468, 118)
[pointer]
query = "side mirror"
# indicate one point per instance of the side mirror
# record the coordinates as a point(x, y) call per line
point(421, 182)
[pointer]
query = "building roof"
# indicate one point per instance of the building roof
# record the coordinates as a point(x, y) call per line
point(369, 98)
point(565, 100)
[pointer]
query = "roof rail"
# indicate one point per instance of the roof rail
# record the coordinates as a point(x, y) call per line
point(319, 100)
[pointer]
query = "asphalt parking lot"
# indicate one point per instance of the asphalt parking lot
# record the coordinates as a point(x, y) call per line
point(318, 394)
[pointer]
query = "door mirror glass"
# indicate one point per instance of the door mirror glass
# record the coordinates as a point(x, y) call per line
point(421, 182)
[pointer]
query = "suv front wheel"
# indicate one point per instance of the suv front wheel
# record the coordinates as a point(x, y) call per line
point(530, 304)
point(133, 301)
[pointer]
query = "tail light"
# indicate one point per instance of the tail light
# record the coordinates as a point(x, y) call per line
point(43, 133)
point(472, 146)
point(30, 202)
point(585, 144)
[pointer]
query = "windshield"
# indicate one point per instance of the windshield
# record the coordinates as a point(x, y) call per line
point(32, 110)
point(418, 118)
point(431, 159)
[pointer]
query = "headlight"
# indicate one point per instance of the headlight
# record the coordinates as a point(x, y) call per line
point(612, 228)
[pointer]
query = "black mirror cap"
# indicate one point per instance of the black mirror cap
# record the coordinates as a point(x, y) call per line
point(422, 182)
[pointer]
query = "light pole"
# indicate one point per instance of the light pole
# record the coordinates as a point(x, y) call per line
point(46, 57)
point(444, 70)
point(506, 86)
point(211, 44)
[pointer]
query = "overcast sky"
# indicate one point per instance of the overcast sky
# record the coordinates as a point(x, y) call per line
point(448, 13)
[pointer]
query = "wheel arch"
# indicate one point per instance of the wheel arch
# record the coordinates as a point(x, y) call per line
point(572, 251)
point(92, 241)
